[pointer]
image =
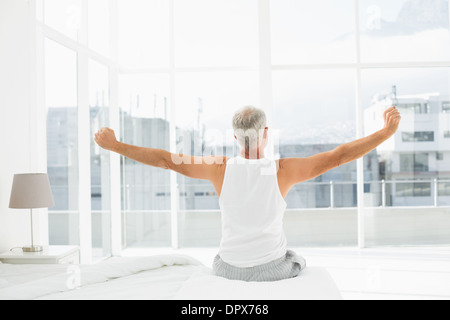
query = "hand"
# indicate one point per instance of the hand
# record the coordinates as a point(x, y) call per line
point(392, 120)
point(106, 138)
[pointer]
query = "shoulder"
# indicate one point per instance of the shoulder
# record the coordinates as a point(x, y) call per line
point(220, 160)
point(217, 162)
point(281, 165)
point(291, 166)
point(285, 163)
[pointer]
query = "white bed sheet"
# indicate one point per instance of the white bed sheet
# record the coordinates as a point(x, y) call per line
point(312, 284)
point(166, 277)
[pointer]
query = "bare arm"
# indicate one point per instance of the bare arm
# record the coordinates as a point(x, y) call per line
point(296, 170)
point(204, 168)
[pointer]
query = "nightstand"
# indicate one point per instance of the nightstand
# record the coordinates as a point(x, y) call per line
point(50, 255)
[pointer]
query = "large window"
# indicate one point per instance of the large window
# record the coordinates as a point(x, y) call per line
point(169, 74)
point(77, 97)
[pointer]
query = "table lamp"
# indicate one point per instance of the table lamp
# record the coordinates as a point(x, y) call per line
point(31, 191)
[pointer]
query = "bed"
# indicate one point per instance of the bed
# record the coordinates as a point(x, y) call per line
point(161, 277)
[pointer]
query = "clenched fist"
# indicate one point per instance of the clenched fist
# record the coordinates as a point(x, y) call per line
point(392, 120)
point(106, 138)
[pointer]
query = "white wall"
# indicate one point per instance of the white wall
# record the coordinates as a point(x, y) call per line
point(19, 142)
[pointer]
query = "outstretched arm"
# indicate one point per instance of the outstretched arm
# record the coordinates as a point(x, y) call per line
point(296, 170)
point(106, 139)
point(204, 168)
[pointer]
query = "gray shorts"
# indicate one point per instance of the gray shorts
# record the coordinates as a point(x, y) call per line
point(284, 268)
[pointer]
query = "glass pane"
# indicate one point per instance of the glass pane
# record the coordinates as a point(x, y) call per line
point(200, 229)
point(313, 31)
point(62, 136)
point(100, 160)
point(146, 229)
point(307, 116)
point(210, 99)
point(321, 228)
point(403, 30)
point(144, 33)
point(64, 229)
point(144, 107)
point(205, 104)
point(314, 113)
point(408, 174)
point(216, 33)
point(99, 25)
point(64, 16)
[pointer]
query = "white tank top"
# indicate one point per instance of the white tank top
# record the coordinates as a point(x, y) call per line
point(252, 214)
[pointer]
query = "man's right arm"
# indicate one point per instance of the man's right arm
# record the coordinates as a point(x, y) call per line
point(296, 170)
point(204, 168)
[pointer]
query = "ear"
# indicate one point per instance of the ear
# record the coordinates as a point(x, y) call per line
point(235, 137)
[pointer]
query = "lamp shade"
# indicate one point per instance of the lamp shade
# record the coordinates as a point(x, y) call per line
point(31, 191)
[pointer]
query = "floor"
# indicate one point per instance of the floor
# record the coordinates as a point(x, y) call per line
point(369, 274)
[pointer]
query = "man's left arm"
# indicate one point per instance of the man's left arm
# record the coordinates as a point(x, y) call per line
point(296, 170)
point(357, 149)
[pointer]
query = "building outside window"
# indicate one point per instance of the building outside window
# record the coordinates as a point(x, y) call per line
point(416, 162)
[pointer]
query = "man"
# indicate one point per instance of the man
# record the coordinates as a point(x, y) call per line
point(252, 190)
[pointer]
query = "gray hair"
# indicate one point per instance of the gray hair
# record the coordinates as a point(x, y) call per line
point(249, 124)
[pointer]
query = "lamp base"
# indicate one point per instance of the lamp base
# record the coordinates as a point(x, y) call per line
point(33, 249)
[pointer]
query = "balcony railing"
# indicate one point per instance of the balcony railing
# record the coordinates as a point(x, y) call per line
point(311, 195)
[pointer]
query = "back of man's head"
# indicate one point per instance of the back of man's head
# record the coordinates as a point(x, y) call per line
point(249, 124)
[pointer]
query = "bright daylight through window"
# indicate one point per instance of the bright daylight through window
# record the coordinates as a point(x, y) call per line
point(169, 74)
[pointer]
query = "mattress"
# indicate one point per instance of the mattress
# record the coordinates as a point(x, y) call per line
point(162, 277)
